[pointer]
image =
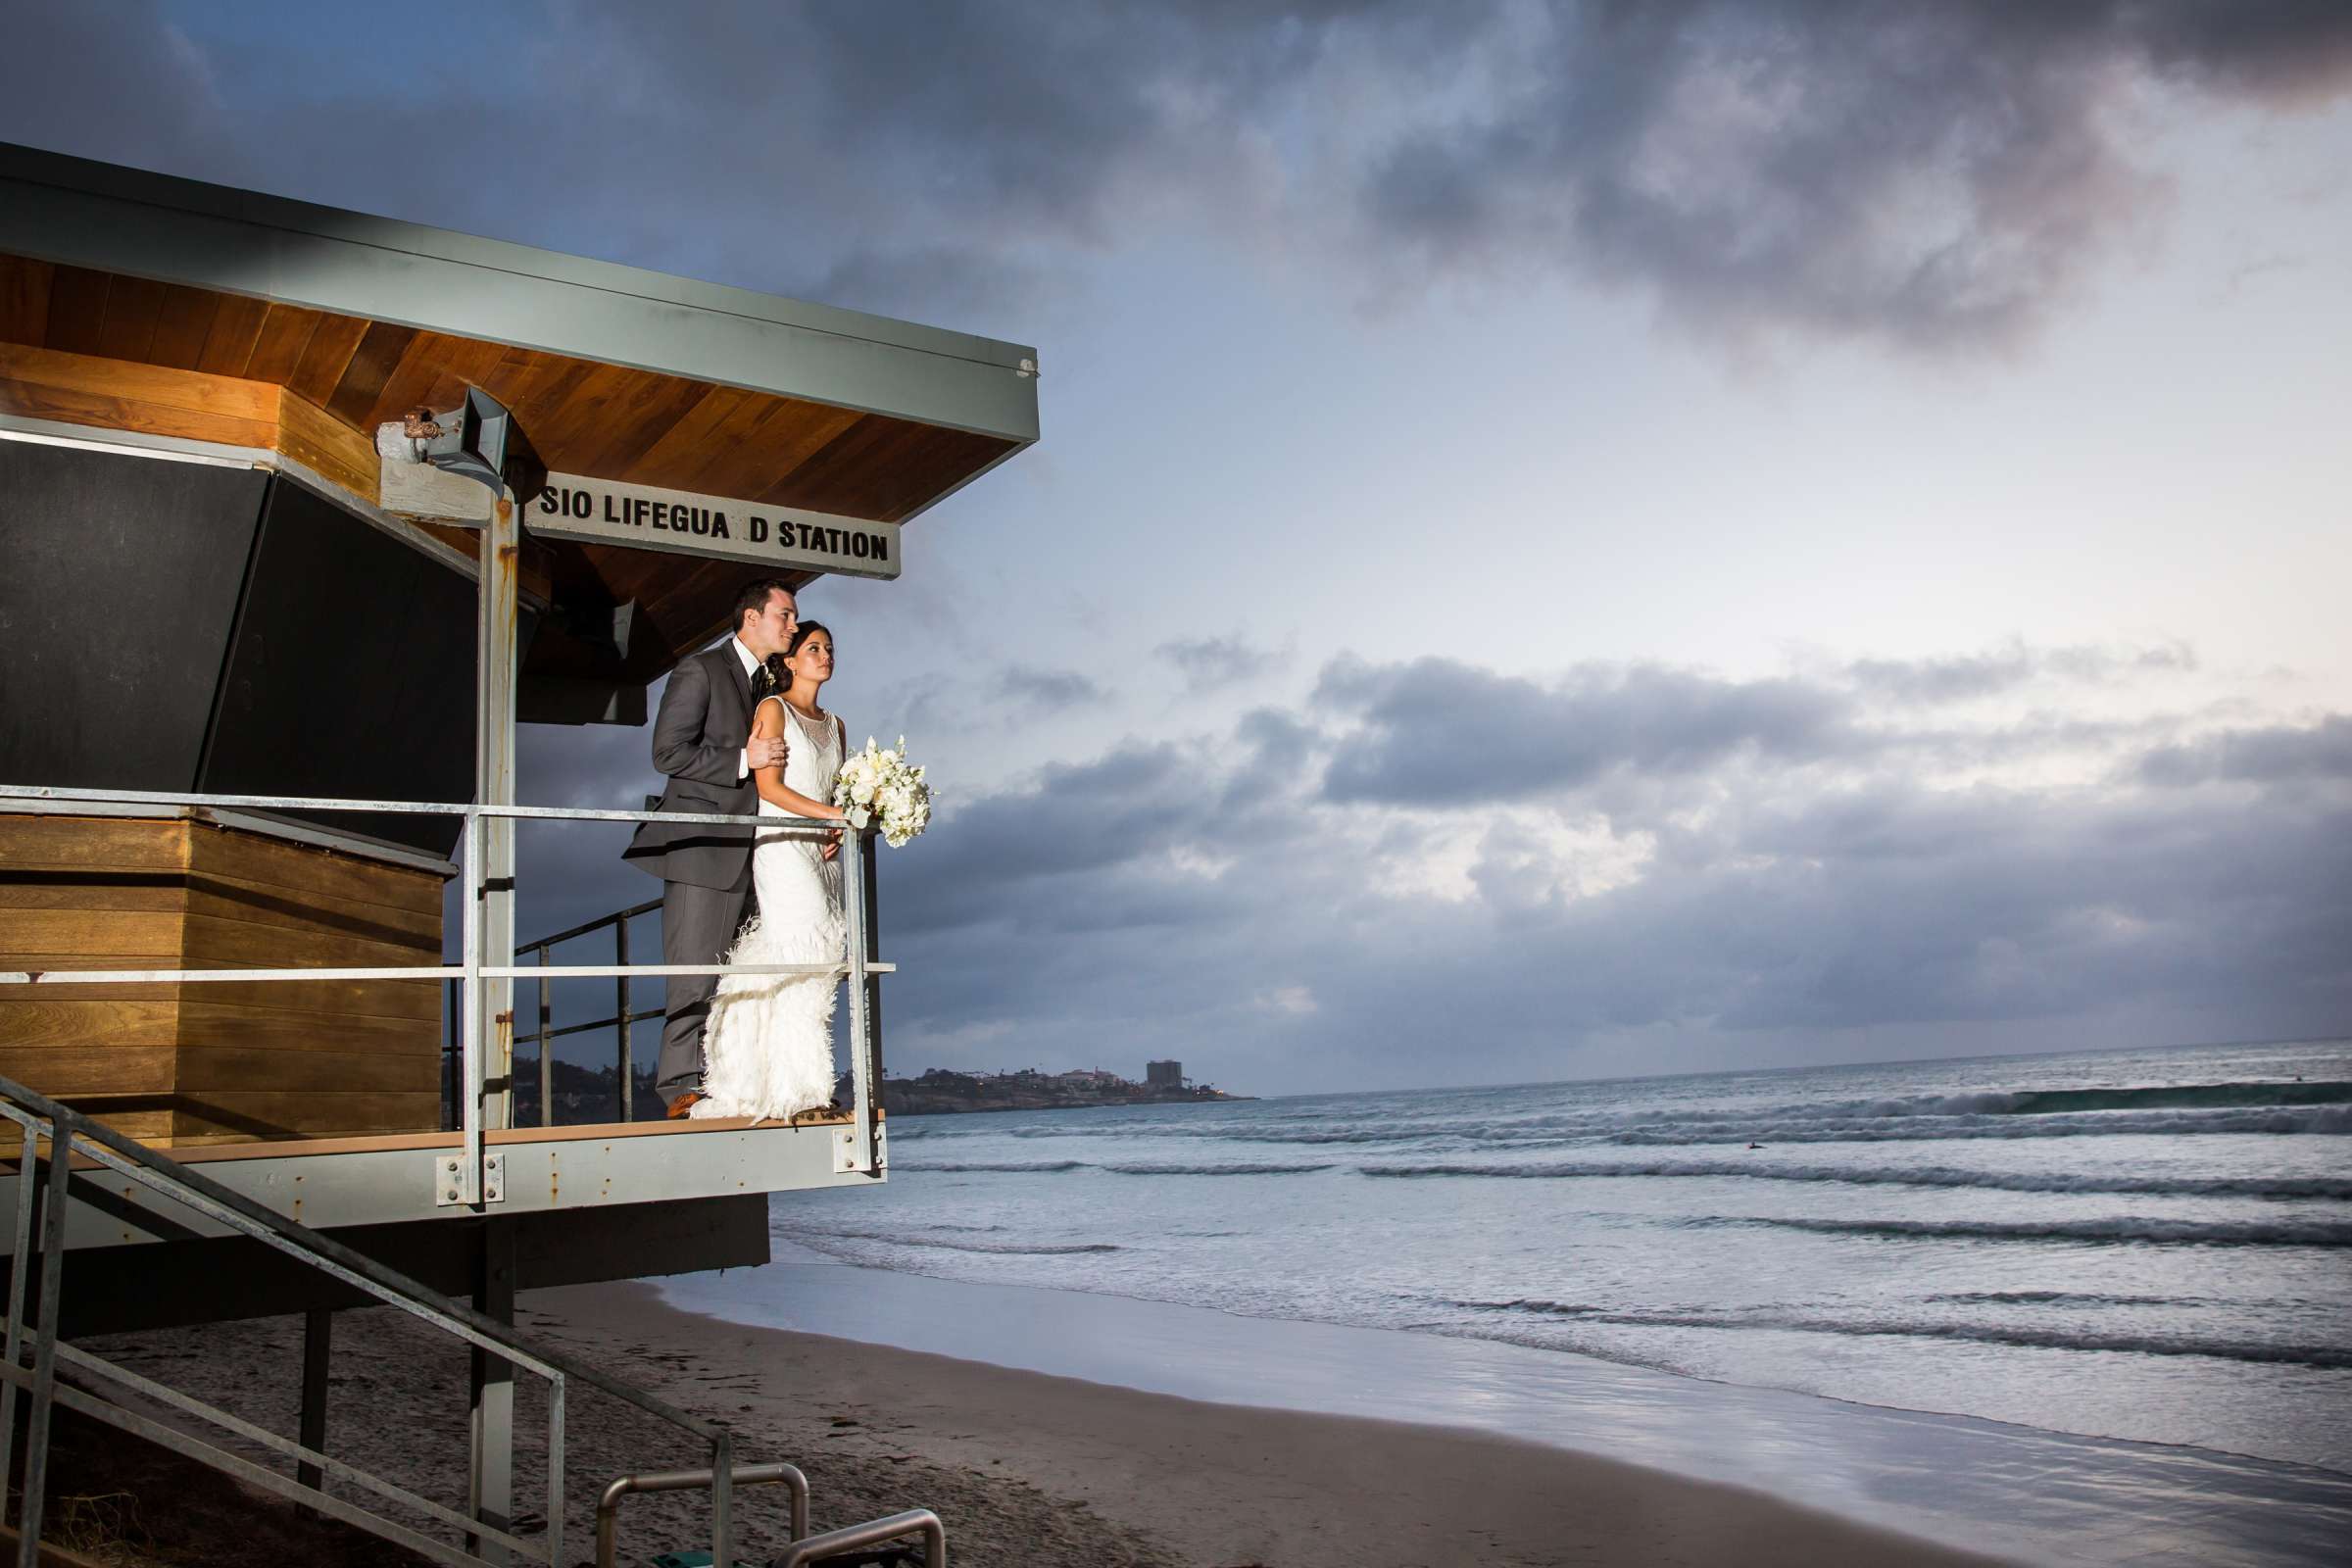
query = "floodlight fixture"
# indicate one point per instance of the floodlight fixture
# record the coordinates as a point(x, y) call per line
point(483, 441)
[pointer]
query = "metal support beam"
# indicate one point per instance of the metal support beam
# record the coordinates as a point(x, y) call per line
point(863, 1088)
point(318, 1333)
point(490, 1497)
point(315, 1338)
point(628, 1057)
point(494, 785)
point(45, 1307)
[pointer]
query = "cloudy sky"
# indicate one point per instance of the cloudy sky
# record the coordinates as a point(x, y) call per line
point(1569, 539)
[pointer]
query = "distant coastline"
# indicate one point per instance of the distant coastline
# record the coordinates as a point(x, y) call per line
point(939, 1093)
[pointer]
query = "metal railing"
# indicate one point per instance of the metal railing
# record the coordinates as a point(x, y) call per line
point(858, 967)
point(36, 1290)
point(622, 1019)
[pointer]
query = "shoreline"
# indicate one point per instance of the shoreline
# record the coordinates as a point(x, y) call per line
point(2021, 1492)
point(1218, 1483)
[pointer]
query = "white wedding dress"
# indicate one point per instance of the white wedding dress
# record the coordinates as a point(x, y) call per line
point(768, 1049)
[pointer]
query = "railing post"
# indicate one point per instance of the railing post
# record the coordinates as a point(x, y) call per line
point(452, 999)
point(318, 1337)
point(868, 859)
point(547, 1065)
point(854, 931)
point(628, 1061)
point(495, 594)
point(470, 1107)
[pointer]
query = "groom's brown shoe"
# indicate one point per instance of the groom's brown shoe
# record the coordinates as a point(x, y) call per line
point(682, 1104)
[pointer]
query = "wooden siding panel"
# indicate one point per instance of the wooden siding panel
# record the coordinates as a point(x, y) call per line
point(284, 338)
point(24, 299)
point(326, 356)
point(77, 310)
point(229, 342)
point(373, 362)
point(128, 327)
point(327, 447)
point(182, 326)
point(326, 875)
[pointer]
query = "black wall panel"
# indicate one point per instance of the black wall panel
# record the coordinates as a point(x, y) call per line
point(119, 584)
point(351, 674)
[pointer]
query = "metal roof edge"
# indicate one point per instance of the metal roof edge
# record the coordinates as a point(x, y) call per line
point(112, 217)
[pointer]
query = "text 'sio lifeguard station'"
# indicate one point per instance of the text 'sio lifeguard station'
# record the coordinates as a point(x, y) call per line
point(263, 653)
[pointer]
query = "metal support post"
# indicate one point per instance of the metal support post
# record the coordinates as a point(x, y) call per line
point(20, 1261)
point(318, 1331)
point(861, 1083)
point(490, 1496)
point(628, 1057)
point(497, 588)
point(868, 859)
point(547, 1064)
point(45, 1307)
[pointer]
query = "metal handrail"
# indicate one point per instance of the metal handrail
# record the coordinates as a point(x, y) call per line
point(68, 1132)
point(858, 967)
point(873, 1532)
point(623, 1019)
point(608, 1507)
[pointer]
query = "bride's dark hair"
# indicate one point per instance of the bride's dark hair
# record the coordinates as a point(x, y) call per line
point(773, 678)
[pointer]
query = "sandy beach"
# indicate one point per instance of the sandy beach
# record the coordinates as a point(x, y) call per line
point(1025, 1468)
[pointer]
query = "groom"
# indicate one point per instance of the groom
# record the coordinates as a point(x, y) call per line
point(703, 740)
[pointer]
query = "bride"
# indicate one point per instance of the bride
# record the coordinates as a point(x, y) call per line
point(768, 1051)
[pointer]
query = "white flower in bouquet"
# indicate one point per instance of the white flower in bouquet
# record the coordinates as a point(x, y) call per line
point(878, 786)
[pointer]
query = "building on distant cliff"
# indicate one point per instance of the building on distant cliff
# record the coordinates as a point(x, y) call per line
point(1163, 1074)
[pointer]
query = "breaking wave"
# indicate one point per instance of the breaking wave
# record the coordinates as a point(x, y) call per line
point(2327, 1187)
point(2122, 1228)
point(817, 1238)
point(2327, 1356)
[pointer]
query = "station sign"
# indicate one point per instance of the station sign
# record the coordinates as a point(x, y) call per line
point(608, 512)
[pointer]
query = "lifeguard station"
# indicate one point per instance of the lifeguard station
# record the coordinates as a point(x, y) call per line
point(265, 641)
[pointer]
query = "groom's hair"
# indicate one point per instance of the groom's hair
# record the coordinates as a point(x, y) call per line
point(753, 599)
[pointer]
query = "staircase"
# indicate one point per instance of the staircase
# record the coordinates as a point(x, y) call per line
point(60, 1145)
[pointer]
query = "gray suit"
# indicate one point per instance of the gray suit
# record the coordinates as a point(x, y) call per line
point(705, 869)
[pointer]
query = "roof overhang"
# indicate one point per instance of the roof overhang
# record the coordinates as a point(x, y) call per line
point(128, 290)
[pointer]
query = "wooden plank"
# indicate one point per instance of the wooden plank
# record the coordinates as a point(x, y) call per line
point(24, 299)
point(94, 939)
point(203, 1022)
point(214, 943)
point(655, 408)
point(111, 1068)
point(142, 383)
point(790, 436)
point(429, 360)
point(131, 307)
point(237, 327)
point(235, 899)
point(380, 348)
point(95, 889)
point(326, 356)
point(44, 1020)
point(225, 1117)
point(29, 843)
point(324, 1004)
point(213, 851)
point(219, 1072)
point(76, 309)
point(679, 451)
point(327, 447)
point(285, 337)
point(122, 413)
point(137, 1118)
point(182, 325)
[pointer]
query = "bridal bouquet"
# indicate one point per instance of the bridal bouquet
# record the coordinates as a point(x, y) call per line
point(879, 784)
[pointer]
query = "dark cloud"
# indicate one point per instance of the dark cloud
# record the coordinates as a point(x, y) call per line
point(2322, 753)
point(1210, 662)
point(1919, 173)
point(1046, 690)
point(1435, 730)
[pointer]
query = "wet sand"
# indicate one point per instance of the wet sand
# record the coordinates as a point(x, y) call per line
point(1203, 1483)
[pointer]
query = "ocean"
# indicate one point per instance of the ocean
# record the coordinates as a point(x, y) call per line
point(2146, 1246)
